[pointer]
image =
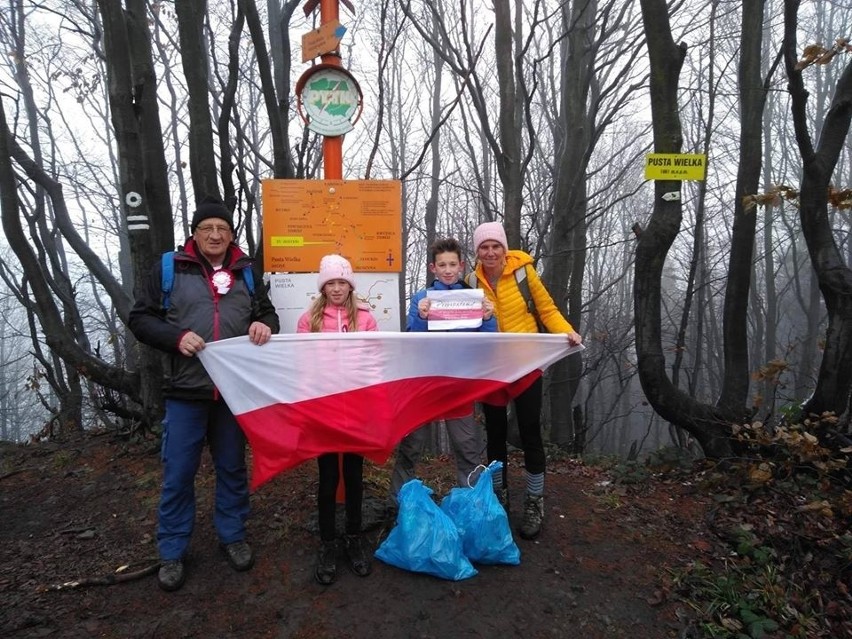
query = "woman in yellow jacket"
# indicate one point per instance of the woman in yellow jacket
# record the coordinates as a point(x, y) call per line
point(495, 272)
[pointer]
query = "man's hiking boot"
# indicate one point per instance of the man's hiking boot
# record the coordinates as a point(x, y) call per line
point(172, 575)
point(533, 516)
point(239, 555)
point(358, 554)
point(326, 570)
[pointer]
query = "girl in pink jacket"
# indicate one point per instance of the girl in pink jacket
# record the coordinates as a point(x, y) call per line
point(337, 310)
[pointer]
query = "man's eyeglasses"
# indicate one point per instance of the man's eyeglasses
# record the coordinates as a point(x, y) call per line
point(212, 228)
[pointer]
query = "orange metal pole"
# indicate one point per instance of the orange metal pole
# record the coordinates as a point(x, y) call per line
point(332, 147)
point(332, 161)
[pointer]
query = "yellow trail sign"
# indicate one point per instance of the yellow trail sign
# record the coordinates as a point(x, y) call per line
point(675, 166)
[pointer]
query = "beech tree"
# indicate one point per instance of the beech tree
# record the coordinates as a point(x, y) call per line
point(126, 383)
point(45, 288)
point(594, 89)
point(710, 425)
point(832, 392)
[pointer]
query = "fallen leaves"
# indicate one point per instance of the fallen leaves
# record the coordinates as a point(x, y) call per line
point(823, 507)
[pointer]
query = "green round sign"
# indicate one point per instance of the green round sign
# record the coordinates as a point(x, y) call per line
point(330, 97)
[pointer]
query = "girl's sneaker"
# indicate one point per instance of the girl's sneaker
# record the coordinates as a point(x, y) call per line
point(358, 554)
point(326, 570)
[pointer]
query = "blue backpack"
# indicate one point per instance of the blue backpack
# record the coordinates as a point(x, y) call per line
point(168, 264)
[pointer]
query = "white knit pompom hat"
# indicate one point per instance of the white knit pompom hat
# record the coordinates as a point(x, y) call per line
point(335, 267)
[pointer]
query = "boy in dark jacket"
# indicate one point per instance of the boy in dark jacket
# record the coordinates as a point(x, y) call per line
point(447, 267)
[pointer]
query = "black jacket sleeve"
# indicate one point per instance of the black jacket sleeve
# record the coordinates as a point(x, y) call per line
point(147, 320)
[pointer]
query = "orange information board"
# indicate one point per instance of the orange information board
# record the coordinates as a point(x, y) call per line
point(306, 219)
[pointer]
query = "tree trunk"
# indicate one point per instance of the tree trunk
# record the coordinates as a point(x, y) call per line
point(282, 164)
point(140, 217)
point(146, 107)
point(565, 266)
point(770, 343)
point(282, 62)
point(835, 278)
point(697, 259)
point(806, 371)
point(430, 217)
point(708, 425)
point(509, 160)
point(193, 49)
point(735, 383)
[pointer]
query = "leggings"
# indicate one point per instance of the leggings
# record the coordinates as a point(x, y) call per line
point(528, 410)
point(329, 476)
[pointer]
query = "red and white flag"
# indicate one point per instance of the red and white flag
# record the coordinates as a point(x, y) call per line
point(302, 395)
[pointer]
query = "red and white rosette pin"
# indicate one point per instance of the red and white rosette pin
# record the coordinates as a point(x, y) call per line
point(222, 281)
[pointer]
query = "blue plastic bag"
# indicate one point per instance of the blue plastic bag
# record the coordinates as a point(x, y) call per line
point(482, 522)
point(424, 539)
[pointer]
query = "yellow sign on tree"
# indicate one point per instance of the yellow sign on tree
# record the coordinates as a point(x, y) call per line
point(675, 166)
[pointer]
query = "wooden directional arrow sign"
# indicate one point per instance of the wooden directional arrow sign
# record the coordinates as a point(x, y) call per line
point(322, 40)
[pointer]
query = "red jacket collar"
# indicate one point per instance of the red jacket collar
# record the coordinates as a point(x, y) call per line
point(234, 252)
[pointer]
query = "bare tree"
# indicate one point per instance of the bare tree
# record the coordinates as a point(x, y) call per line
point(59, 335)
point(752, 95)
point(193, 46)
point(708, 424)
point(833, 385)
point(120, 43)
point(142, 169)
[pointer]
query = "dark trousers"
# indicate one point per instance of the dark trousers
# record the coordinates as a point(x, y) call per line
point(329, 476)
point(528, 411)
point(465, 442)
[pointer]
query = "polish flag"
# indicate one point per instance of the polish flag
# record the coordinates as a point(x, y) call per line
point(302, 395)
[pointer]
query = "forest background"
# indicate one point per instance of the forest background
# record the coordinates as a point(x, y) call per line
point(717, 323)
point(729, 305)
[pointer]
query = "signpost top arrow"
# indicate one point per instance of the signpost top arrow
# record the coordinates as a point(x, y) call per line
point(310, 5)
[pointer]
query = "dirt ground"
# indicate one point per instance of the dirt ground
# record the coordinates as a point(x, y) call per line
point(83, 510)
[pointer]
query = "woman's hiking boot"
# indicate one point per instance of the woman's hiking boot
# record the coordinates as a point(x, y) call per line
point(326, 570)
point(533, 516)
point(358, 554)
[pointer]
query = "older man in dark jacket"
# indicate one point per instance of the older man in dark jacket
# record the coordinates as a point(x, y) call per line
point(210, 299)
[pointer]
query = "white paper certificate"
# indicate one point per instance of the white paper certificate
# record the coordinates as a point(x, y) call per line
point(455, 309)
